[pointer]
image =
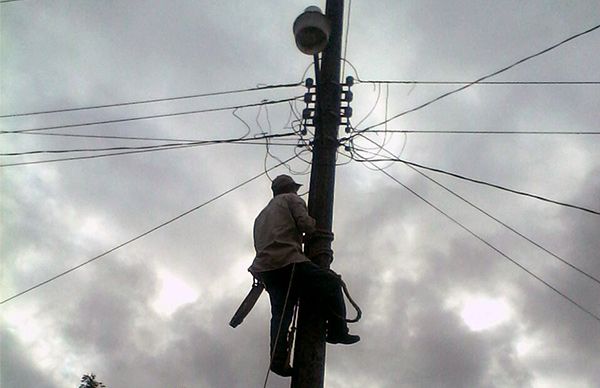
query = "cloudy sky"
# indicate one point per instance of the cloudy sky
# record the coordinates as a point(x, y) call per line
point(441, 308)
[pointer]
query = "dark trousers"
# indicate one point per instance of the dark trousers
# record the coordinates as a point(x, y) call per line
point(314, 285)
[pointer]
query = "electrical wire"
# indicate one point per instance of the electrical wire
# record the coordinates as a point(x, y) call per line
point(372, 108)
point(481, 182)
point(153, 100)
point(122, 153)
point(262, 103)
point(501, 253)
point(416, 82)
point(248, 129)
point(146, 138)
point(572, 266)
point(396, 159)
point(485, 77)
point(213, 199)
point(167, 145)
point(589, 276)
point(403, 131)
point(77, 135)
point(459, 132)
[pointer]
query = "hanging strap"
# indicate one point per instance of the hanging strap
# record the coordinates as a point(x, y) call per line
point(352, 301)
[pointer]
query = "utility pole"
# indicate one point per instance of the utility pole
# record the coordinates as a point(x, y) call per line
point(309, 354)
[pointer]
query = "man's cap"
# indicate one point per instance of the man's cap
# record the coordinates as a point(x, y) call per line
point(283, 181)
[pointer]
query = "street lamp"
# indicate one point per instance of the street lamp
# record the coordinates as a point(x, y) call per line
point(311, 30)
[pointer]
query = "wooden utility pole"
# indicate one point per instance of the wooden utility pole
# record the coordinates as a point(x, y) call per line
point(309, 354)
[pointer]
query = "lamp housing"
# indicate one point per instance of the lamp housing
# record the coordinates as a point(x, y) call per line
point(311, 31)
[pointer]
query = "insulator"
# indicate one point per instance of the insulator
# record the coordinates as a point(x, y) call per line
point(307, 113)
point(348, 129)
point(304, 131)
point(348, 148)
point(308, 97)
point(309, 82)
point(347, 111)
point(347, 96)
point(349, 81)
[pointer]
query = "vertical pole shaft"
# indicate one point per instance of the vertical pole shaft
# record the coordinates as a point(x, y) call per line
point(309, 355)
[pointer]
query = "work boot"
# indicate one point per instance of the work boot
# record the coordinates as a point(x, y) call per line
point(344, 339)
point(282, 369)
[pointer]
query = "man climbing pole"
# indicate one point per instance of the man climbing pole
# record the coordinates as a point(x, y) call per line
point(288, 274)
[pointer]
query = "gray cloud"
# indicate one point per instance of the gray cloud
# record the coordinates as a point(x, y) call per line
point(19, 370)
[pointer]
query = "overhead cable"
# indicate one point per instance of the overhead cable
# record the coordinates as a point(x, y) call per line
point(501, 253)
point(455, 175)
point(396, 159)
point(572, 266)
point(589, 276)
point(142, 235)
point(111, 137)
point(115, 137)
point(262, 103)
point(403, 131)
point(89, 156)
point(124, 153)
point(417, 82)
point(520, 61)
point(164, 99)
point(246, 140)
point(464, 132)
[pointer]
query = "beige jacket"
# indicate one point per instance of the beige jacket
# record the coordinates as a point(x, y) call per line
point(278, 233)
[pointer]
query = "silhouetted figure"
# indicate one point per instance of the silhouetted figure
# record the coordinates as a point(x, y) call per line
point(278, 236)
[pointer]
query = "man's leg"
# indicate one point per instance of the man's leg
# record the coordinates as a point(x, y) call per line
point(323, 287)
point(277, 283)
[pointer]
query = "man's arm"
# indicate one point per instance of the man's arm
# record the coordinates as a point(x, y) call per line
point(306, 224)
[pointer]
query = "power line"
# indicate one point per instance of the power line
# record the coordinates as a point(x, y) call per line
point(268, 102)
point(417, 82)
point(538, 278)
point(143, 234)
point(89, 157)
point(77, 135)
point(481, 183)
point(110, 137)
point(120, 154)
point(481, 79)
point(144, 138)
point(461, 132)
point(45, 161)
point(395, 159)
point(589, 276)
point(593, 278)
point(164, 99)
point(168, 145)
